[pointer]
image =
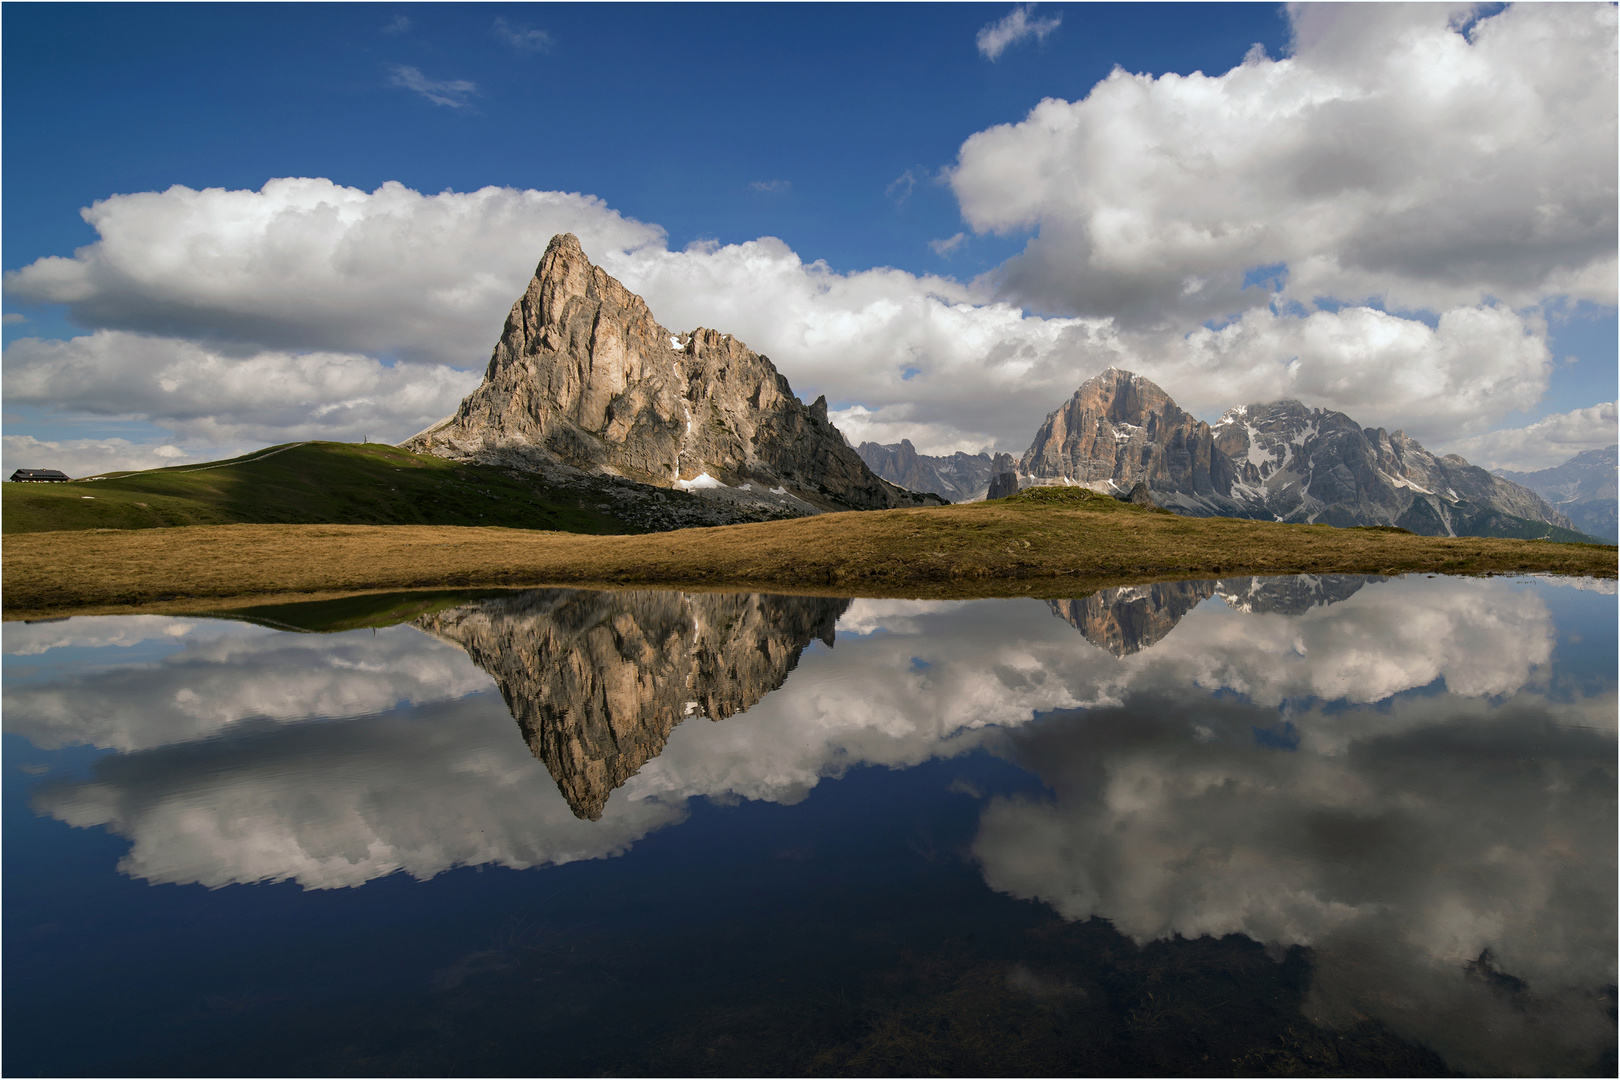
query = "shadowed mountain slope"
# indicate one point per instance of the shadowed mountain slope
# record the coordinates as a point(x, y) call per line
point(1583, 488)
point(959, 478)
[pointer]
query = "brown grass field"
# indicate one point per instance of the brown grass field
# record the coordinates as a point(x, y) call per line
point(1050, 543)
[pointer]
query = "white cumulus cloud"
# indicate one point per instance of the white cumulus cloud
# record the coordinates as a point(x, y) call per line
point(1396, 154)
point(88, 457)
point(220, 396)
point(307, 291)
point(307, 264)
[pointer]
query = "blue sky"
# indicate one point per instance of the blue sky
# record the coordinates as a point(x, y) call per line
point(758, 168)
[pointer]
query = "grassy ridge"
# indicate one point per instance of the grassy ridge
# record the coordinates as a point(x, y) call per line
point(1045, 541)
point(308, 483)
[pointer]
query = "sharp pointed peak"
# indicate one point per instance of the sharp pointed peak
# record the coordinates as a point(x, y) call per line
point(565, 241)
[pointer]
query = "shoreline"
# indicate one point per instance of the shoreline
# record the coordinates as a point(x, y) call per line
point(954, 552)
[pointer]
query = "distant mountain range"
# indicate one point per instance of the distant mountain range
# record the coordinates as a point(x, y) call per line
point(960, 477)
point(1280, 461)
point(584, 382)
point(1582, 488)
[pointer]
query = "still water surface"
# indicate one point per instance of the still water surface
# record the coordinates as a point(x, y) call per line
point(1329, 825)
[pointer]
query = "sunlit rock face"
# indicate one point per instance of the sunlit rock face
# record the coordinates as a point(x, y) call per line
point(1300, 464)
point(1280, 461)
point(1119, 430)
point(583, 375)
point(598, 680)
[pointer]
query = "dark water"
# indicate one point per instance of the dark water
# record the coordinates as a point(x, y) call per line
point(1324, 826)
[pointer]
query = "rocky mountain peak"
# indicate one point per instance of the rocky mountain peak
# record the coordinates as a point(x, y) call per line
point(583, 377)
point(1123, 396)
point(1280, 460)
point(960, 477)
point(1137, 617)
point(1583, 488)
point(1120, 429)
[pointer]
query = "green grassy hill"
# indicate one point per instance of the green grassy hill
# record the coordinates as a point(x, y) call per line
point(317, 483)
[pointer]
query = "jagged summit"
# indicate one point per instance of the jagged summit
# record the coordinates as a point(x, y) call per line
point(961, 477)
point(1120, 429)
point(584, 377)
point(1282, 460)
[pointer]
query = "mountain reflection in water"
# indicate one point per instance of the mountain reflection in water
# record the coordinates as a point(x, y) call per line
point(597, 680)
point(1136, 617)
point(1402, 790)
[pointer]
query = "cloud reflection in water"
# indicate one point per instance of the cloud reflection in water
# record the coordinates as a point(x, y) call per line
point(1376, 772)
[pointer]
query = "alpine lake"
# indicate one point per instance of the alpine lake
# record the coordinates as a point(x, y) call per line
point(1333, 825)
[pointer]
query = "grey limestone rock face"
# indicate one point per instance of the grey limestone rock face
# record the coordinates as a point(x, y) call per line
point(597, 680)
point(961, 477)
point(1584, 488)
point(1301, 464)
point(1128, 620)
point(1280, 461)
point(1140, 495)
point(1119, 430)
point(1589, 475)
point(584, 377)
point(1137, 617)
point(1003, 485)
point(1292, 595)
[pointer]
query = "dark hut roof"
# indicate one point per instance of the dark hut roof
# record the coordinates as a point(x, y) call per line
point(40, 474)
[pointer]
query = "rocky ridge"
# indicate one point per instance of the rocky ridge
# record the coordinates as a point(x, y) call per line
point(584, 381)
point(597, 680)
point(1293, 595)
point(961, 477)
point(1280, 461)
point(1303, 464)
point(1582, 488)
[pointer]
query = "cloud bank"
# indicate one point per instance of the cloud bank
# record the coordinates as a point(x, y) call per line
point(223, 396)
point(1375, 223)
point(1400, 153)
point(1549, 441)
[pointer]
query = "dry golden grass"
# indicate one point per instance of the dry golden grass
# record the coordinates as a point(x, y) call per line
point(1057, 545)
